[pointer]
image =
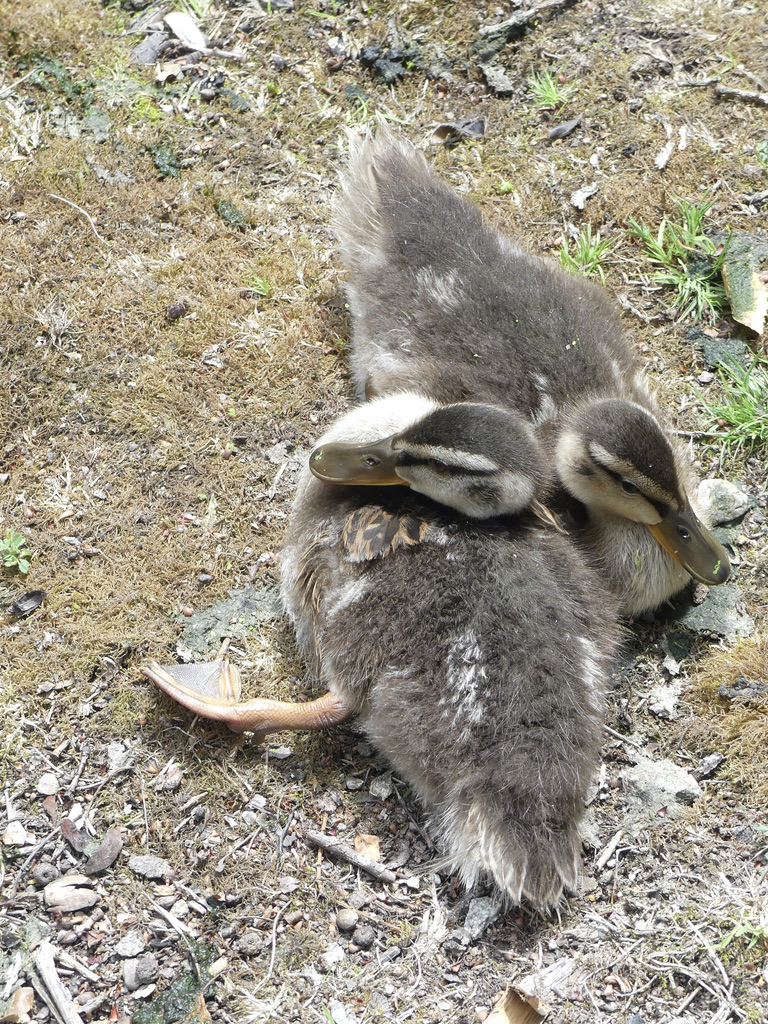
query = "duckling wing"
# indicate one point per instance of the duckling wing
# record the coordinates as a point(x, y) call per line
point(372, 532)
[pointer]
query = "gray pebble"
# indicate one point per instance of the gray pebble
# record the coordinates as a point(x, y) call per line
point(743, 689)
point(250, 943)
point(130, 945)
point(353, 784)
point(381, 787)
point(44, 873)
point(723, 501)
point(722, 613)
point(482, 912)
point(147, 866)
point(346, 920)
point(140, 971)
point(364, 936)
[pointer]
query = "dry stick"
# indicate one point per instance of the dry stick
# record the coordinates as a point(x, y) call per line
point(49, 985)
point(523, 17)
point(371, 867)
point(12, 87)
point(22, 870)
point(80, 210)
point(608, 852)
point(726, 92)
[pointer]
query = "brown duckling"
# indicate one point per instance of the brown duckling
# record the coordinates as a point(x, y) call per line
point(473, 650)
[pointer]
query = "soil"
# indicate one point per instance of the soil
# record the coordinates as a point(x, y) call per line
point(172, 335)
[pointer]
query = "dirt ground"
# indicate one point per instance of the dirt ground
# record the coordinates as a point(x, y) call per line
point(172, 336)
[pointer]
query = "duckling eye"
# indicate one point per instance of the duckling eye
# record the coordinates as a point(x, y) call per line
point(436, 464)
point(629, 488)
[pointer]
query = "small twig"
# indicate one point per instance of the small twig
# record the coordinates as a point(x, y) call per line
point(80, 210)
point(357, 860)
point(72, 962)
point(23, 869)
point(284, 832)
point(687, 1001)
point(12, 87)
point(761, 98)
point(522, 18)
point(265, 979)
point(46, 975)
point(609, 851)
point(624, 739)
point(174, 922)
point(80, 769)
point(698, 83)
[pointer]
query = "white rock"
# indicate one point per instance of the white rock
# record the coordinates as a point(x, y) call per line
point(16, 835)
point(48, 784)
point(70, 892)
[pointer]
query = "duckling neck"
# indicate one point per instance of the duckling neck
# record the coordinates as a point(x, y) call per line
point(639, 570)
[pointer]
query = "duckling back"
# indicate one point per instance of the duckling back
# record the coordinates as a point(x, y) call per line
point(476, 654)
point(436, 295)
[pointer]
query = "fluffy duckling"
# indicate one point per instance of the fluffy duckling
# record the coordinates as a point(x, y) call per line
point(473, 650)
point(444, 305)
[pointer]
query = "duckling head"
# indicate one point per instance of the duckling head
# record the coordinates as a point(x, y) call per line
point(615, 458)
point(478, 459)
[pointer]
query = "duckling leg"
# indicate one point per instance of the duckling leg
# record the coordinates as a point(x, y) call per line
point(213, 691)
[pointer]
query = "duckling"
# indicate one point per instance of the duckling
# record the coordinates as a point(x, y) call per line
point(444, 305)
point(472, 641)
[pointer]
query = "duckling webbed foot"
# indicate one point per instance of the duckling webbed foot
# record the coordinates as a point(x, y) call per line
point(212, 690)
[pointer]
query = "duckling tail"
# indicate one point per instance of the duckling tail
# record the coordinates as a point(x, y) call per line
point(536, 863)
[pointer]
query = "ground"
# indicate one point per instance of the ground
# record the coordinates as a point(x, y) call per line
point(172, 336)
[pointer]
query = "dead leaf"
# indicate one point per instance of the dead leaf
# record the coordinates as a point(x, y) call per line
point(745, 276)
point(368, 845)
point(185, 29)
point(107, 852)
point(512, 1009)
point(77, 840)
point(22, 1001)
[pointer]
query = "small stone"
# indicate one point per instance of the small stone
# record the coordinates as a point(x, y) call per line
point(149, 866)
point(482, 912)
point(333, 955)
point(131, 945)
point(663, 698)
point(743, 689)
point(48, 784)
point(708, 765)
point(69, 893)
point(250, 943)
point(339, 1012)
point(281, 753)
point(346, 920)
point(581, 195)
point(364, 936)
point(722, 613)
point(722, 501)
point(44, 873)
point(140, 971)
point(381, 787)
point(16, 835)
point(659, 785)
point(353, 784)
